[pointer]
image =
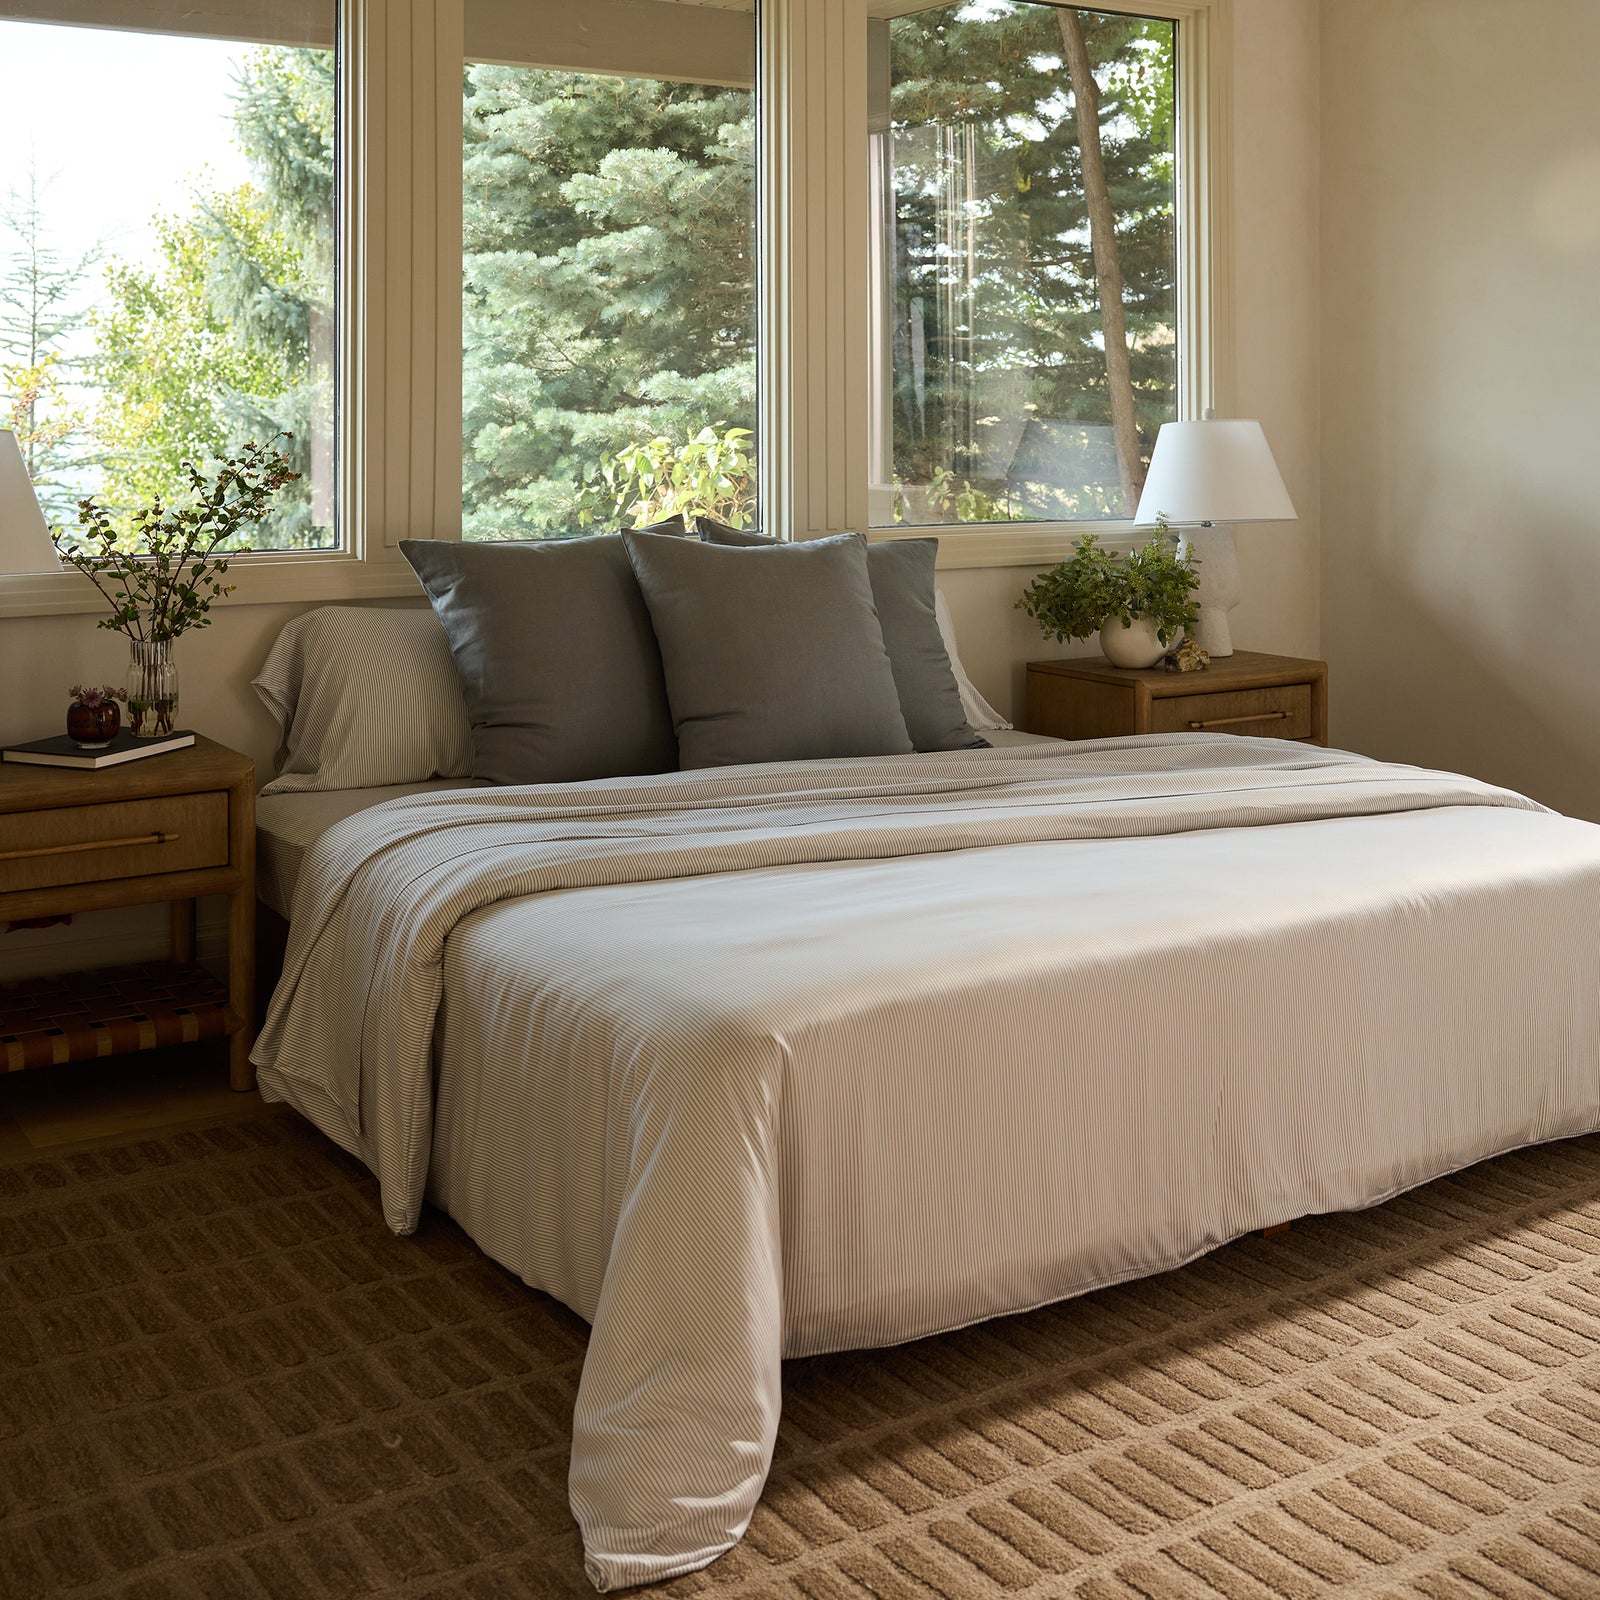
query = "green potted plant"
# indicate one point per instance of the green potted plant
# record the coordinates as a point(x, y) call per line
point(161, 577)
point(1140, 604)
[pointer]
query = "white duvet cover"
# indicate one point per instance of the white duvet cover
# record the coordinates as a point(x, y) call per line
point(777, 1060)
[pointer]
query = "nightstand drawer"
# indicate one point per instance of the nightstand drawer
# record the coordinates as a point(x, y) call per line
point(1280, 697)
point(1283, 712)
point(127, 839)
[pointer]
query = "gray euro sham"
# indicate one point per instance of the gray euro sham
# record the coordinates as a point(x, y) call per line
point(770, 653)
point(902, 576)
point(556, 655)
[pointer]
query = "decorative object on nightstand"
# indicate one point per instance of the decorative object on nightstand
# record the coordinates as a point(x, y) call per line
point(1276, 697)
point(94, 718)
point(168, 829)
point(161, 577)
point(1188, 657)
point(1138, 603)
point(1206, 477)
point(25, 544)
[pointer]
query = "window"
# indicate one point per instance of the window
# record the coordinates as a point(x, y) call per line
point(167, 206)
point(185, 264)
point(1024, 187)
point(609, 279)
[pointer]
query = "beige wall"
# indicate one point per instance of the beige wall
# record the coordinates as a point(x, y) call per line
point(1461, 400)
point(1275, 362)
point(1277, 117)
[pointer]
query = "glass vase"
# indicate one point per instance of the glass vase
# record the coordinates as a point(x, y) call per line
point(93, 727)
point(152, 688)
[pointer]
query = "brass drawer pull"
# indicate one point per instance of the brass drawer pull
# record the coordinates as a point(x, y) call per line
point(90, 844)
point(1234, 722)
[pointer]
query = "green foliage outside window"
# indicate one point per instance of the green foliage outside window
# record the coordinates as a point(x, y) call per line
point(967, 503)
point(40, 312)
point(609, 301)
point(998, 373)
point(199, 351)
point(609, 354)
point(711, 475)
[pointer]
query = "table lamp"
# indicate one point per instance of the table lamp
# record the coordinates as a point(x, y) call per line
point(1205, 477)
point(25, 543)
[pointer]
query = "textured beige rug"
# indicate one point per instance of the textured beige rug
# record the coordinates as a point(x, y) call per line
point(221, 1377)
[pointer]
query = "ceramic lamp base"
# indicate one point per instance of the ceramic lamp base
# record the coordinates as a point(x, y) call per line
point(1216, 560)
point(1212, 633)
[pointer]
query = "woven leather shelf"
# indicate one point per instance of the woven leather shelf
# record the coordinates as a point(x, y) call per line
point(82, 1016)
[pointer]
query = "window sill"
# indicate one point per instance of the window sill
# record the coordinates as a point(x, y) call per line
point(307, 578)
point(1001, 544)
point(260, 580)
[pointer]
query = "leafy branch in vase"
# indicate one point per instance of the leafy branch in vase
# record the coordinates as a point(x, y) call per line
point(161, 579)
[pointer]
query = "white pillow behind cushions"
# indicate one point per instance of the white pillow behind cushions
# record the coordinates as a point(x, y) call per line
point(364, 697)
point(980, 714)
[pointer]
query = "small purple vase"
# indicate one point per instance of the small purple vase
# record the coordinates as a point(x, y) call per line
point(93, 727)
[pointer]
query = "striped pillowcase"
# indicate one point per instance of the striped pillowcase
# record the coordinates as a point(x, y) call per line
point(364, 697)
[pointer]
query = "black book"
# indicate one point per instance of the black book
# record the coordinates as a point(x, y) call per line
point(65, 752)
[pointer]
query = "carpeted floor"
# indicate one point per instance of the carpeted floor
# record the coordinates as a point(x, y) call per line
point(220, 1376)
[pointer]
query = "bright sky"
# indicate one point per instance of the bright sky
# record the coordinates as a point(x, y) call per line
point(121, 126)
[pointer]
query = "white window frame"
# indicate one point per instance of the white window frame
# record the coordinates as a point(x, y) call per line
point(815, 425)
point(399, 296)
point(400, 280)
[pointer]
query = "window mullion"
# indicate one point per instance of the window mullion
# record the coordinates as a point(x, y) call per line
point(814, 243)
point(406, 400)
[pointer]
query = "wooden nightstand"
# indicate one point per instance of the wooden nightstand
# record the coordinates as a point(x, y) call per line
point(1277, 697)
point(166, 828)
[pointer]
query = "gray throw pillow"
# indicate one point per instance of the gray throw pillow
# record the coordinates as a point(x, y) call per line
point(772, 653)
point(902, 574)
point(556, 656)
point(713, 532)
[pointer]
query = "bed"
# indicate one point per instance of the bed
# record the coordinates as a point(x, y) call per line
point(799, 1056)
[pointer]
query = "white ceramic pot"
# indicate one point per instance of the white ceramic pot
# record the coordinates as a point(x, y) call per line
point(1134, 646)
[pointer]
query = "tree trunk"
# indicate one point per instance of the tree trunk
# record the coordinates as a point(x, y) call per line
point(1107, 263)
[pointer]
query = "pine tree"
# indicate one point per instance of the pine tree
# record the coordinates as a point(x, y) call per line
point(43, 304)
point(609, 272)
point(275, 289)
point(997, 310)
point(609, 281)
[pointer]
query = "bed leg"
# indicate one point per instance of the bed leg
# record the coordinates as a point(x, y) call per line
point(1276, 1229)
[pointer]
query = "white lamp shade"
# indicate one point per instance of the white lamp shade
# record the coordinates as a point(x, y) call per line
point(1219, 470)
point(25, 544)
